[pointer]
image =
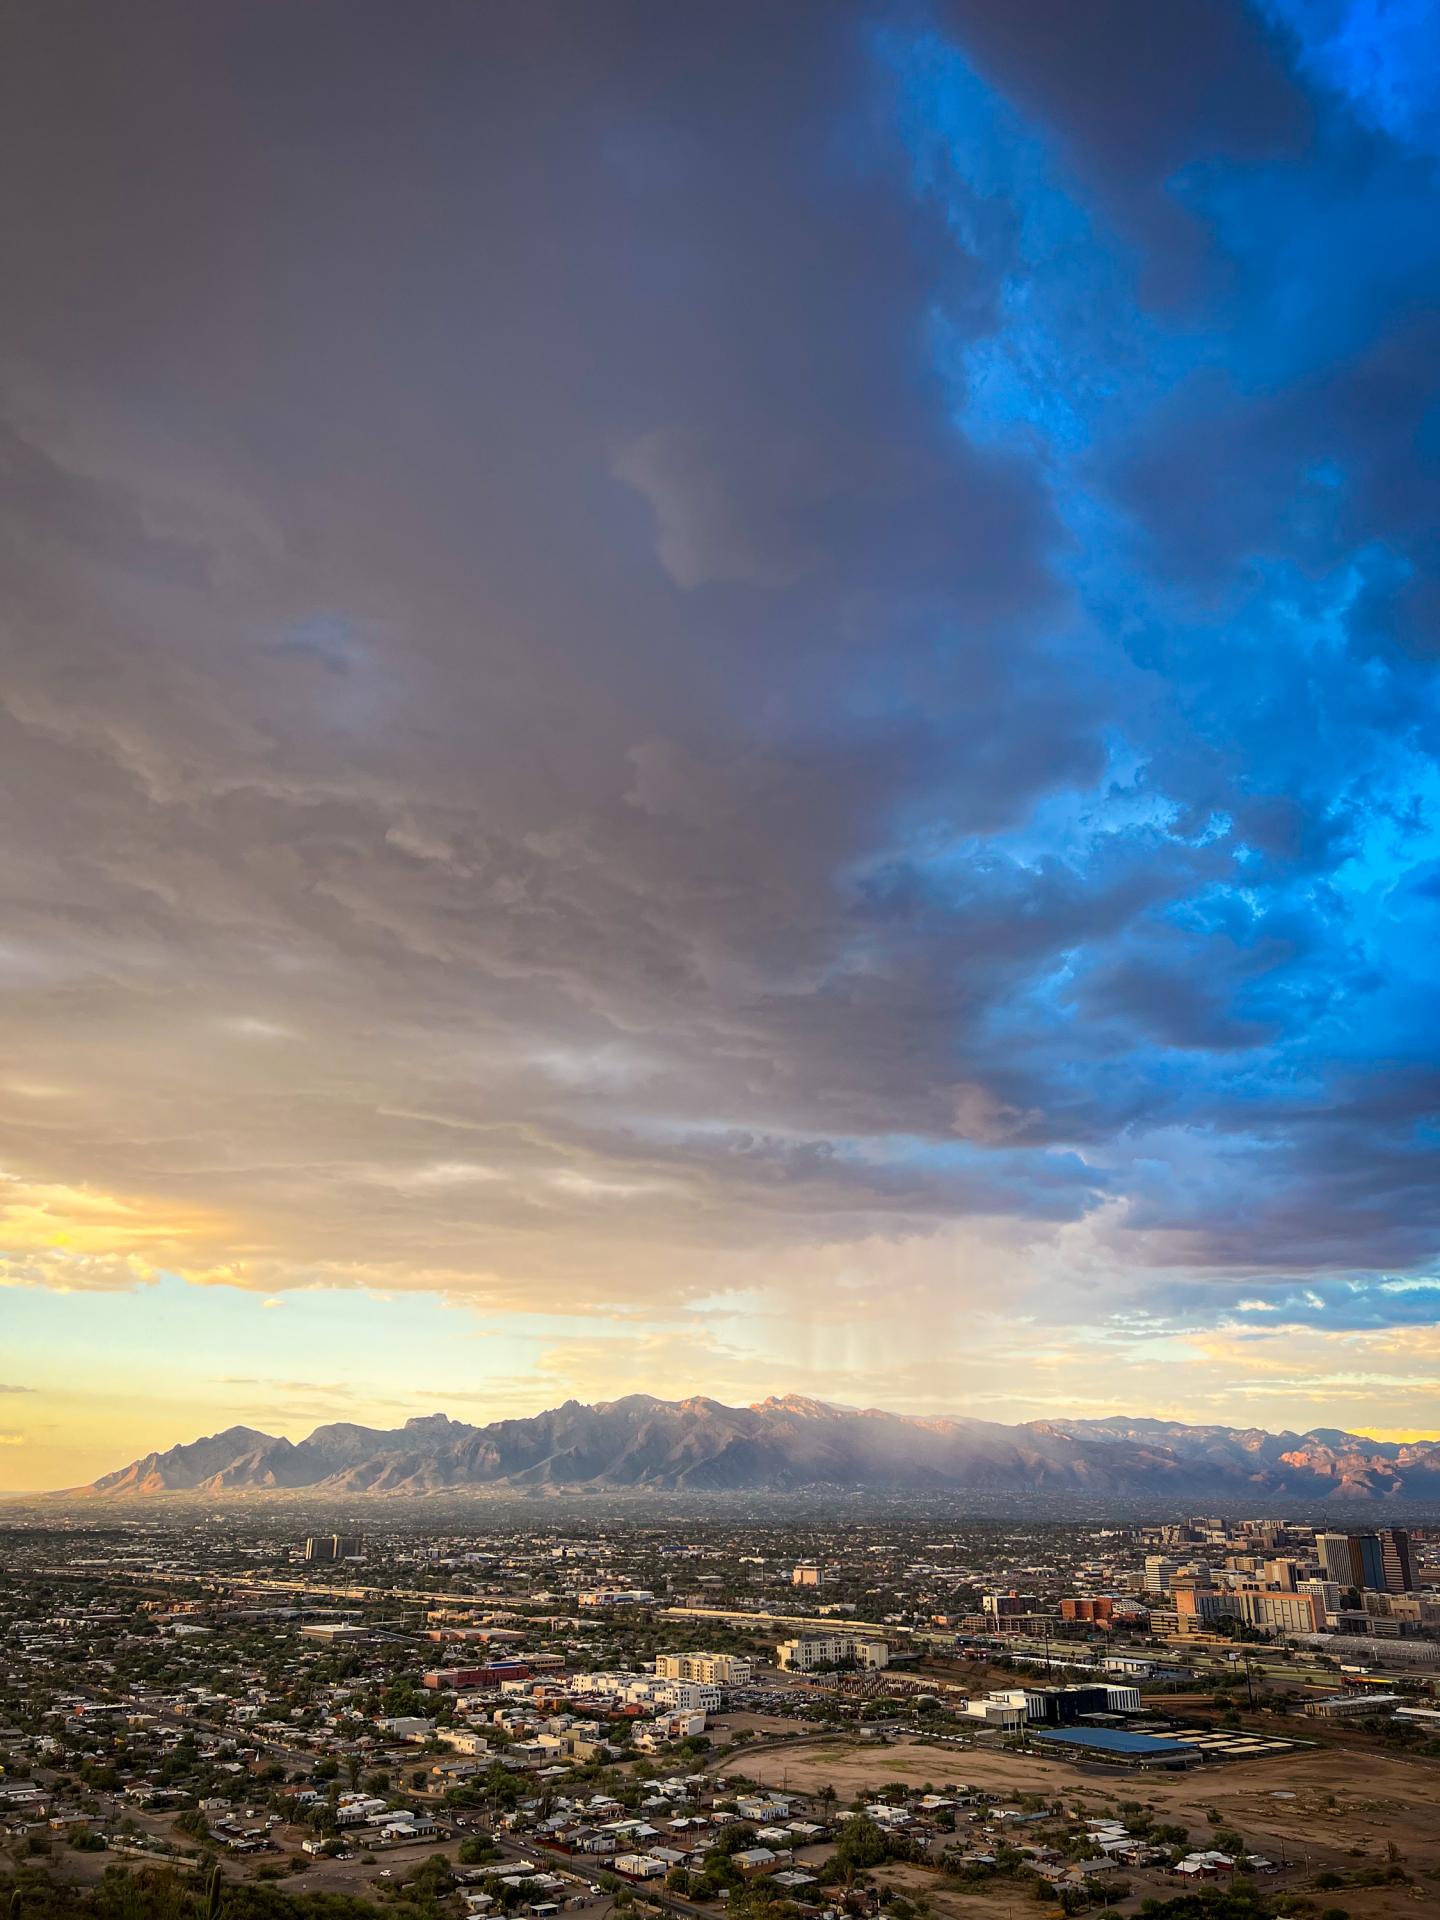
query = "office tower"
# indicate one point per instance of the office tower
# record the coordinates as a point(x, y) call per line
point(1372, 1561)
point(1395, 1558)
point(1356, 1559)
point(1337, 1563)
point(1160, 1570)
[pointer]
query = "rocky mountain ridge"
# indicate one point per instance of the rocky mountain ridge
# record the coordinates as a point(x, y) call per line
point(785, 1445)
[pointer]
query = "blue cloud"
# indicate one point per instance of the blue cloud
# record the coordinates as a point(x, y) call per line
point(1270, 785)
point(1357, 1303)
point(1378, 56)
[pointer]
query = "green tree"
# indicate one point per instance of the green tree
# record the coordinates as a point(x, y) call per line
point(861, 1844)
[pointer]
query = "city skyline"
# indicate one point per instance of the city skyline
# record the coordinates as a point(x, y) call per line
point(730, 701)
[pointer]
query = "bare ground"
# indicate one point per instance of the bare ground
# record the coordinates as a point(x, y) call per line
point(1347, 1808)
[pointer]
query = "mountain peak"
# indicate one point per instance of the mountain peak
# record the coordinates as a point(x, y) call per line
point(796, 1403)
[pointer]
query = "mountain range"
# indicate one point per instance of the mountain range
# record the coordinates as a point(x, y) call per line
point(788, 1445)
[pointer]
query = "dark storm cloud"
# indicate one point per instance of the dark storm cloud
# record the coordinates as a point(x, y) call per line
point(638, 634)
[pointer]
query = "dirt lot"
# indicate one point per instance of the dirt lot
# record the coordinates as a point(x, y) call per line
point(1006, 1900)
point(724, 1726)
point(1343, 1811)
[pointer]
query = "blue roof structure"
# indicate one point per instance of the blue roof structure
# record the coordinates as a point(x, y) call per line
point(1132, 1746)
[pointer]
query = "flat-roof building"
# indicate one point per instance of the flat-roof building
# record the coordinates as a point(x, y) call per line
point(1109, 1743)
point(715, 1669)
point(813, 1650)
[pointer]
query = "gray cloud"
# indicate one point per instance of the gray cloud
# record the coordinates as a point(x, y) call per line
point(714, 527)
point(541, 759)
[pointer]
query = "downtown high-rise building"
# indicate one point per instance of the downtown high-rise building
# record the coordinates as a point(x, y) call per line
point(1395, 1559)
point(1355, 1559)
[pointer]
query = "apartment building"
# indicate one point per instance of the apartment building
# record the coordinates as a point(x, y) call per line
point(714, 1669)
point(813, 1650)
point(328, 1549)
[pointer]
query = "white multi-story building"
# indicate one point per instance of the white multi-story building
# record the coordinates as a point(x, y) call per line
point(813, 1650)
point(691, 1696)
point(609, 1685)
point(646, 1690)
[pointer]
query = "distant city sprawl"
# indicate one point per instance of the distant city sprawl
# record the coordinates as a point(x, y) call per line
point(587, 1707)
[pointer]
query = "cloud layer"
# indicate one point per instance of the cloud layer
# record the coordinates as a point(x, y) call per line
point(656, 657)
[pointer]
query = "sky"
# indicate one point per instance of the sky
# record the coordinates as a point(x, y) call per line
point(717, 698)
